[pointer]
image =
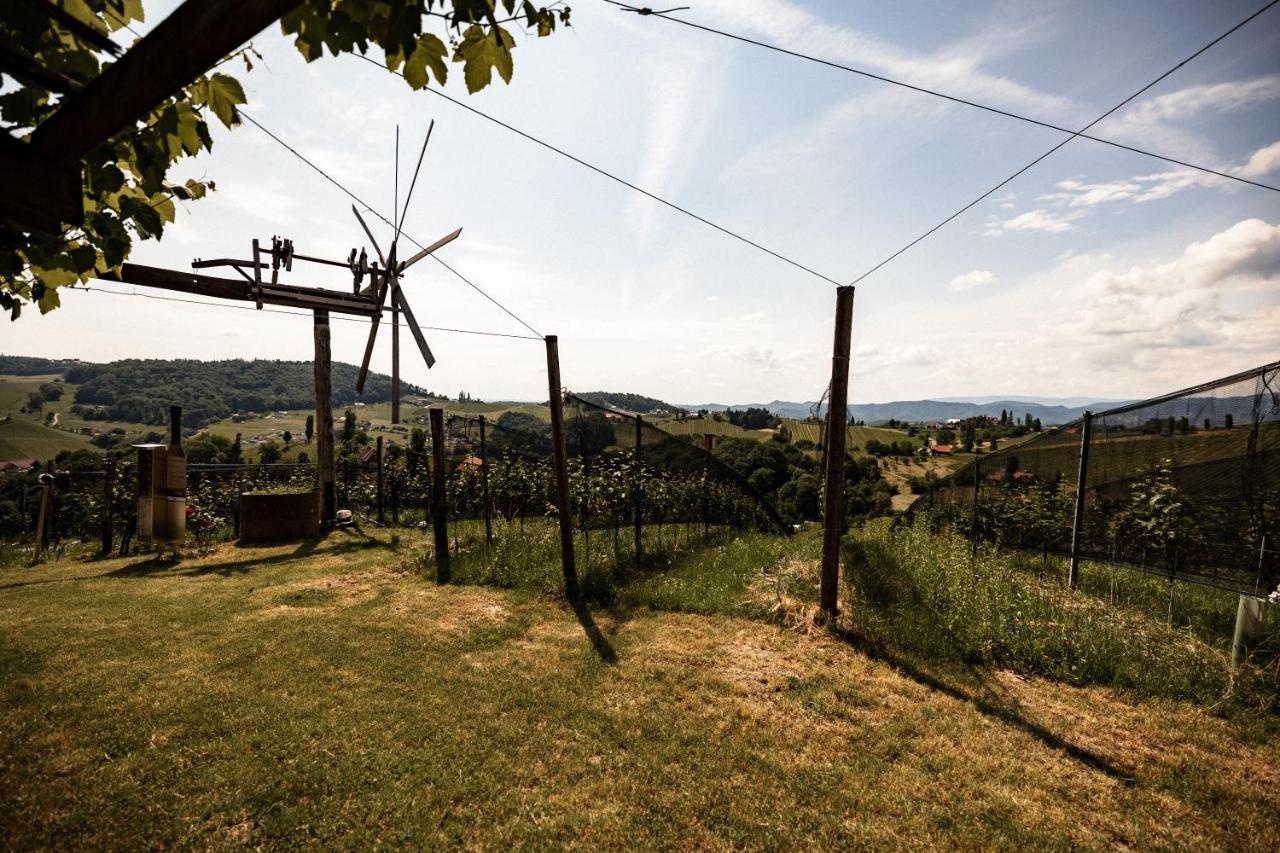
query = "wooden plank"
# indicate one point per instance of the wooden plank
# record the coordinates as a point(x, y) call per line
point(837, 434)
point(184, 45)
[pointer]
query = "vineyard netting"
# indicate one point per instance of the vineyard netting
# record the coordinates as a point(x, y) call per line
point(1186, 485)
point(623, 473)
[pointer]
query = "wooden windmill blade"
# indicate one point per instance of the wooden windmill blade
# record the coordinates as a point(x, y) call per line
point(442, 242)
point(398, 295)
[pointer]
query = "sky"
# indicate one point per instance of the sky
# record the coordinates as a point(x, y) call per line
point(1098, 273)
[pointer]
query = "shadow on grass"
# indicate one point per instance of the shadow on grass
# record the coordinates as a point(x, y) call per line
point(996, 704)
point(599, 641)
point(348, 540)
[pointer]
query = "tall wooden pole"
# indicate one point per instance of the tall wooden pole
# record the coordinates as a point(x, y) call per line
point(561, 458)
point(836, 435)
point(639, 510)
point(439, 519)
point(395, 361)
point(484, 486)
point(1077, 524)
point(325, 466)
point(45, 491)
point(381, 481)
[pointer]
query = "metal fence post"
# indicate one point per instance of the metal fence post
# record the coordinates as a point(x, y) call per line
point(1077, 524)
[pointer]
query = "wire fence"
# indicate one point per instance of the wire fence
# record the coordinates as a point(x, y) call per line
point(1186, 485)
point(625, 475)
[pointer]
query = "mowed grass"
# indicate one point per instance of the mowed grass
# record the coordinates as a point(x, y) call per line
point(327, 694)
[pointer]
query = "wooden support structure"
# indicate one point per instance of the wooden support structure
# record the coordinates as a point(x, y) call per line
point(395, 363)
point(484, 486)
point(325, 473)
point(439, 519)
point(561, 459)
point(45, 190)
point(1077, 523)
point(836, 434)
point(291, 296)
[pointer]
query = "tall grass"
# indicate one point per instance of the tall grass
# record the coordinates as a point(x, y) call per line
point(927, 594)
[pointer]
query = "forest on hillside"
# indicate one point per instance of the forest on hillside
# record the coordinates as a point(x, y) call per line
point(635, 403)
point(142, 390)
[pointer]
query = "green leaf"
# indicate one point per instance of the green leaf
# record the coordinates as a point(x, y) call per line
point(481, 52)
point(222, 94)
point(429, 54)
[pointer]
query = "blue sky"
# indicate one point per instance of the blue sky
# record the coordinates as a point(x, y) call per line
point(1100, 272)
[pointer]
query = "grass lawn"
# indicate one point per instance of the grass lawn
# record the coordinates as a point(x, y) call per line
point(328, 694)
point(24, 438)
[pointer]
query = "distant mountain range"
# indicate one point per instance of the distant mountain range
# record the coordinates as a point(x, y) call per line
point(1048, 412)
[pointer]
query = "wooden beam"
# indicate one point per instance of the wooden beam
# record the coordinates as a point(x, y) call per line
point(182, 47)
point(292, 296)
point(38, 196)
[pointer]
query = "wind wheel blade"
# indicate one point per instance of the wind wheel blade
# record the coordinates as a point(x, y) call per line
point(369, 234)
point(443, 241)
point(368, 354)
point(398, 296)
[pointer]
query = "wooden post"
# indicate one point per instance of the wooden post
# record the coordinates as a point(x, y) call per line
point(45, 489)
point(708, 444)
point(325, 464)
point(108, 505)
point(395, 360)
point(395, 496)
point(378, 457)
point(561, 458)
point(439, 519)
point(484, 486)
point(836, 436)
point(639, 508)
point(1077, 524)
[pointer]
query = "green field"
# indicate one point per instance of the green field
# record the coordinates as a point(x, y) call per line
point(24, 438)
point(858, 436)
point(707, 426)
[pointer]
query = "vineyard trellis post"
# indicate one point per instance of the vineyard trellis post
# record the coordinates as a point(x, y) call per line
point(560, 456)
point(484, 486)
point(108, 505)
point(1077, 523)
point(439, 521)
point(325, 474)
point(380, 479)
point(836, 435)
point(639, 498)
point(977, 495)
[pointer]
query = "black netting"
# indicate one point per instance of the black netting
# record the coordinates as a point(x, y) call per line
point(1185, 485)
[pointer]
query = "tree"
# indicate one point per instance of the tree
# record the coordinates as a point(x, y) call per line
point(35, 401)
point(288, 438)
point(269, 453)
point(311, 427)
point(52, 391)
point(127, 191)
point(349, 425)
point(1184, 426)
point(1228, 420)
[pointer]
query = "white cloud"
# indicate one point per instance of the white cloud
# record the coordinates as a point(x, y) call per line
point(1032, 220)
point(1263, 162)
point(1135, 317)
point(970, 280)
